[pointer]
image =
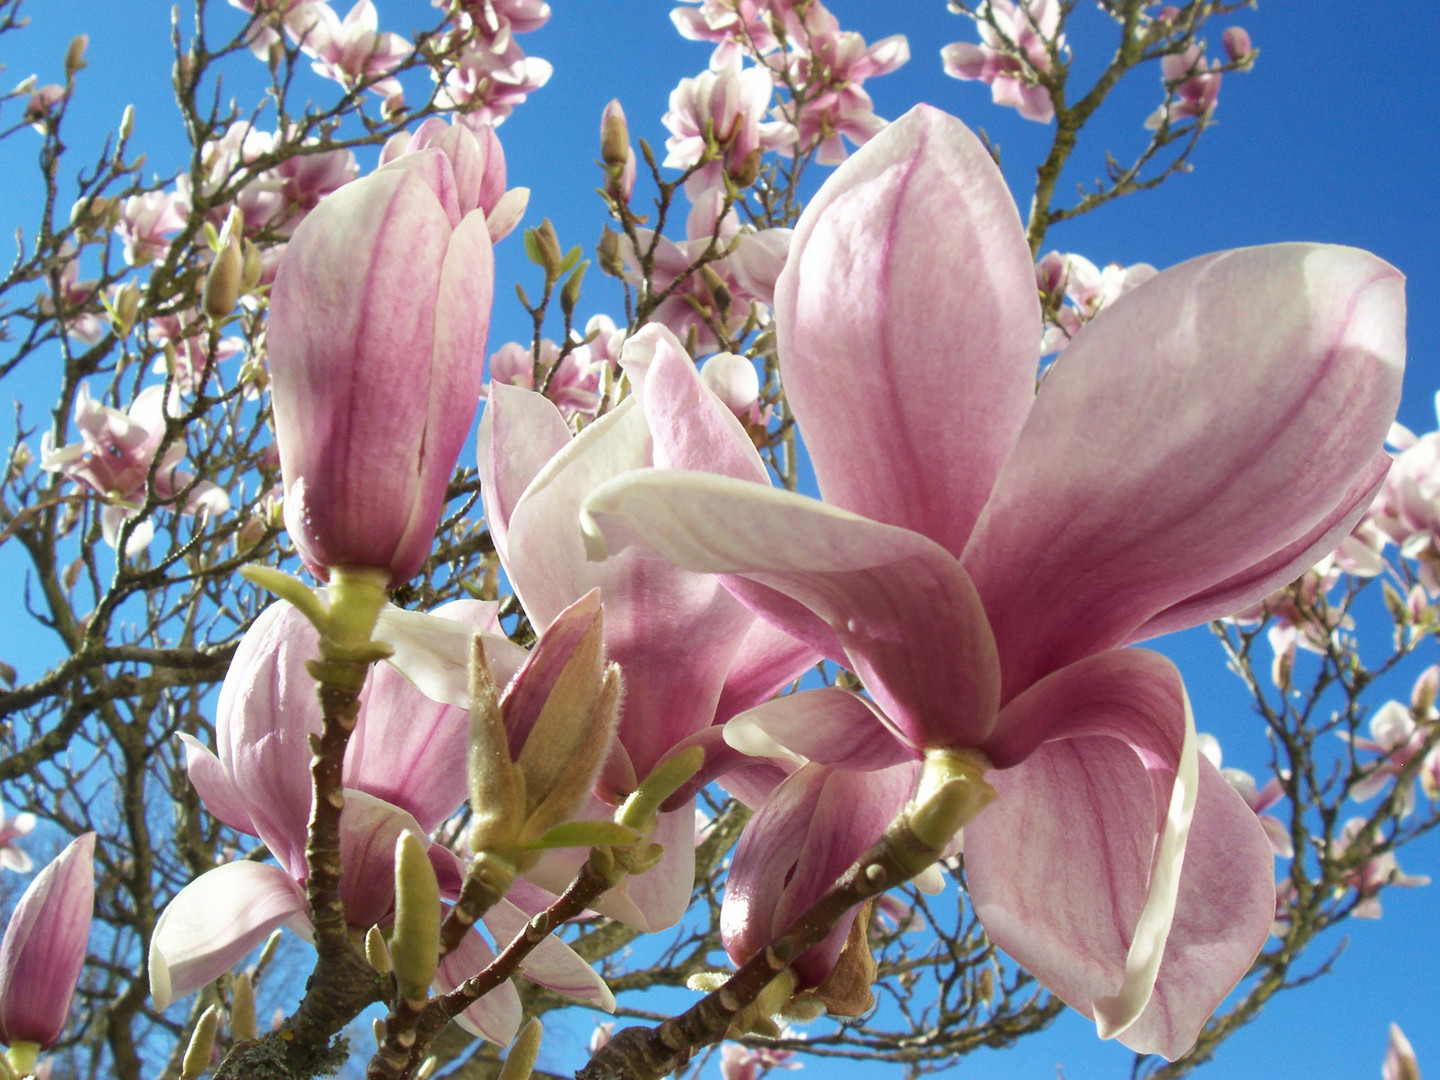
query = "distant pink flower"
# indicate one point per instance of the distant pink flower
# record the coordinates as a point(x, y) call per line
point(303, 180)
point(738, 28)
point(146, 221)
point(44, 948)
point(1236, 41)
point(727, 107)
point(496, 20)
point(1375, 872)
point(573, 385)
point(188, 336)
point(12, 856)
point(354, 50)
point(1398, 738)
point(1192, 85)
point(296, 16)
point(487, 83)
point(42, 101)
point(1088, 289)
point(78, 299)
point(1016, 41)
point(113, 458)
point(832, 68)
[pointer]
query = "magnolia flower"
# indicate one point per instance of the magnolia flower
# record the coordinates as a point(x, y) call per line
point(146, 220)
point(487, 82)
point(714, 658)
point(1088, 288)
point(401, 774)
point(378, 318)
point(721, 109)
point(572, 383)
point(353, 50)
point(13, 857)
point(832, 67)
point(113, 459)
point(75, 299)
point(1192, 86)
point(187, 335)
point(44, 947)
point(1372, 872)
point(1016, 44)
point(738, 28)
point(1011, 543)
point(1398, 738)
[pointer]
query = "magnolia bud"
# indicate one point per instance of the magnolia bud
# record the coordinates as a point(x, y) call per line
point(614, 136)
point(1236, 40)
point(749, 170)
point(377, 953)
point(415, 942)
point(608, 253)
point(243, 1024)
point(75, 55)
point(222, 283)
point(548, 246)
point(202, 1042)
point(520, 1061)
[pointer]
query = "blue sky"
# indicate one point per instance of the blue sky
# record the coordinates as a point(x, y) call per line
point(1334, 136)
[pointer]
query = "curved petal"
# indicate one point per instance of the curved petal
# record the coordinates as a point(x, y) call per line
point(552, 963)
point(767, 661)
point(808, 833)
point(826, 726)
point(900, 609)
point(1081, 868)
point(214, 921)
point(672, 680)
point(908, 327)
point(369, 829)
point(432, 649)
point(217, 791)
point(649, 902)
point(520, 431)
point(496, 1016)
point(1193, 431)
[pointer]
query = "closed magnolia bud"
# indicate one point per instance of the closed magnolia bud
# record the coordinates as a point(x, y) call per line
point(222, 283)
point(75, 54)
point(378, 318)
point(548, 245)
point(520, 1061)
point(44, 947)
point(202, 1044)
point(608, 253)
point(616, 153)
point(243, 1024)
point(1236, 40)
point(415, 942)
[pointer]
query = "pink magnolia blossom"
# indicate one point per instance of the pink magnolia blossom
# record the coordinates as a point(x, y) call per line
point(44, 948)
point(497, 20)
point(78, 301)
point(1398, 734)
point(738, 1062)
point(401, 774)
point(1375, 871)
point(829, 68)
point(1016, 44)
point(113, 459)
point(42, 102)
point(1407, 511)
point(1301, 616)
point(378, 318)
point(1088, 289)
point(1236, 41)
point(724, 110)
point(573, 383)
point(12, 856)
point(1011, 543)
point(735, 382)
point(738, 28)
point(354, 50)
point(146, 221)
point(714, 660)
point(1192, 86)
point(296, 16)
point(489, 80)
point(1400, 1063)
point(188, 336)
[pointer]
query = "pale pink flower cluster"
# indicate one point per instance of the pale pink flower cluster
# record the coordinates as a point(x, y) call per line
point(493, 74)
point(1398, 734)
point(800, 48)
point(43, 100)
point(187, 335)
point(1192, 86)
point(1375, 871)
point(114, 457)
point(12, 856)
point(739, 1062)
point(722, 111)
point(747, 273)
point(572, 382)
point(351, 51)
point(1088, 289)
point(77, 299)
point(1019, 42)
point(1406, 512)
point(1300, 616)
point(146, 223)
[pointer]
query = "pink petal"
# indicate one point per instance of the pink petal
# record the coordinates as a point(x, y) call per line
point(1193, 433)
point(908, 327)
point(552, 963)
point(215, 787)
point(826, 726)
point(768, 660)
point(432, 650)
point(1081, 870)
point(898, 608)
point(496, 1016)
point(520, 431)
point(215, 920)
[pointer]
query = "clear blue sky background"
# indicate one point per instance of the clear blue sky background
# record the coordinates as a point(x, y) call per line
point(1335, 136)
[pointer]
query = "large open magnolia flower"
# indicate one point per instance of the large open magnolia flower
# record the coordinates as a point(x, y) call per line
point(985, 551)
